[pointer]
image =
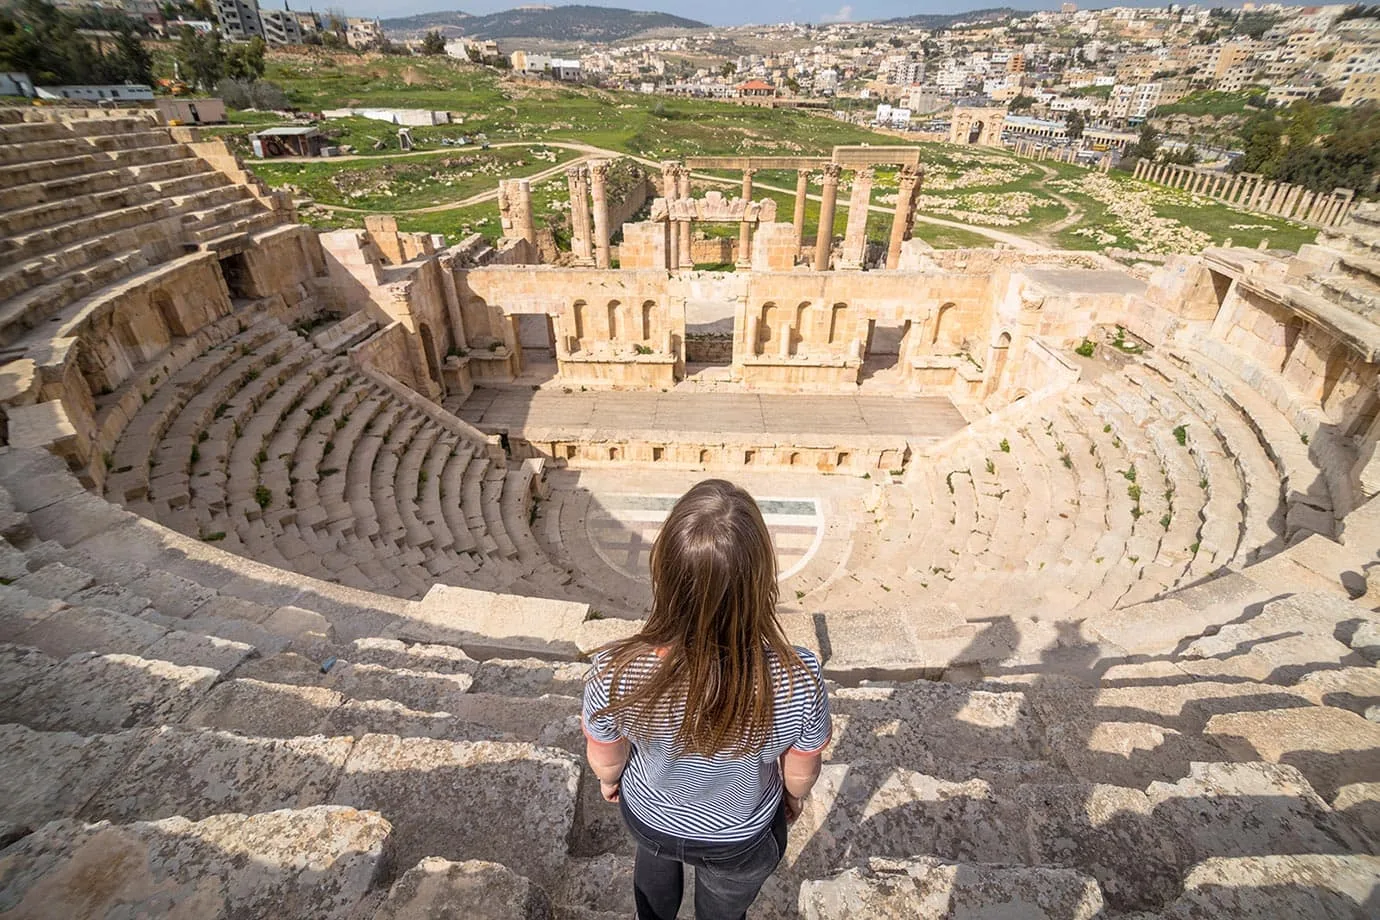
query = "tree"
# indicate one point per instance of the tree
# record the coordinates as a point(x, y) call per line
point(1021, 104)
point(1074, 124)
point(246, 61)
point(201, 56)
point(728, 69)
point(433, 43)
point(1263, 146)
point(1146, 146)
point(134, 59)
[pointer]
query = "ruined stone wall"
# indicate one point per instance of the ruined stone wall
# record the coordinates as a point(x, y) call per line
point(393, 350)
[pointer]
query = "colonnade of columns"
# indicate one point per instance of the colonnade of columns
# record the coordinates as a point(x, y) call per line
point(1253, 192)
point(589, 228)
point(1036, 151)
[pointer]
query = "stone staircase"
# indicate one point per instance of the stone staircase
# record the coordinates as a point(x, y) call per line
point(246, 737)
point(94, 201)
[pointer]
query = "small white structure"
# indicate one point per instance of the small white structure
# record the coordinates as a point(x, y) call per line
point(113, 92)
point(16, 84)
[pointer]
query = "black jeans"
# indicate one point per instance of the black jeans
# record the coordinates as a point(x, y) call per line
point(727, 875)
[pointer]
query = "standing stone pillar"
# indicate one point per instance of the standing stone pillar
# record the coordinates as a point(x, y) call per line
point(687, 228)
point(1140, 169)
point(525, 223)
point(1334, 209)
point(824, 238)
point(802, 187)
point(1232, 186)
point(908, 180)
point(1291, 201)
point(1315, 212)
point(855, 235)
point(580, 231)
point(744, 259)
point(670, 191)
point(599, 173)
point(1305, 204)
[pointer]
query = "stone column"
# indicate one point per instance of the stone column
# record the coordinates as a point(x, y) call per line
point(1315, 212)
point(580, 232)
point(1291, 201)
point(1232, 186)
point(744, 259)
point(908, 180)
point(670, 191)
point(802, 187)
point(1334, 209)
point(855, 235)
point(1282, 192)
point(599, 173)
point(524, 222)
point(824, 238)
point(687, 227)
point(1305, 205)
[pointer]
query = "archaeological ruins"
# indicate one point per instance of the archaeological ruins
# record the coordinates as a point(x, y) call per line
point(306, 536)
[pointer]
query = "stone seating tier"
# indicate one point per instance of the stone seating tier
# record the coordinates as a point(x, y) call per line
point(91, 202)
point(1090, 503)
point(1189, 776)
point(268, 446)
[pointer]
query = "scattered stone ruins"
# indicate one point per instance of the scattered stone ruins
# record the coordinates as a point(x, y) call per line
point(284, 634)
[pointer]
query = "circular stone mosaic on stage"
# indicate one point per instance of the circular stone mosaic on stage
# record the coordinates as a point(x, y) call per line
point(624, 525)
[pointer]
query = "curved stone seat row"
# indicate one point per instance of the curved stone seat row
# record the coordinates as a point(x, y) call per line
point(87, 202)
point(276, 449)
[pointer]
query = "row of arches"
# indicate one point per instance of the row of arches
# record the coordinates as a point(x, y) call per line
point(617, 322)
point(834, 325)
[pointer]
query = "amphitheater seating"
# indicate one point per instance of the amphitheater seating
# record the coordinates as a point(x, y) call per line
point(271, 447)
point(206, 714)
point(89, 202)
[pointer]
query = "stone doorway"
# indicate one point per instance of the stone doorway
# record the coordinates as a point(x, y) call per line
point(536, 333)
point(708, 339)
point(882, 354)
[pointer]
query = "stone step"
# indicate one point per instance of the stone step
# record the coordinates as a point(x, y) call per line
point(80, 164)
point(928, 887)
point(422, 690)
point(318, 862)
point(96, 693)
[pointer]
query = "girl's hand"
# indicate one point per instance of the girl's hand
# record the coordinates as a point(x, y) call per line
point(793, 807)
point(609, 791)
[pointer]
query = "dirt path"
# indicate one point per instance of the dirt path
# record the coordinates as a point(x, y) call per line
point(1051, 233)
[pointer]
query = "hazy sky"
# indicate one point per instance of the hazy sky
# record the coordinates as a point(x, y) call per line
point(715, 12)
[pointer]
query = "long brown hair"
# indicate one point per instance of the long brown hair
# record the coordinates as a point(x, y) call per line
point(714, 624)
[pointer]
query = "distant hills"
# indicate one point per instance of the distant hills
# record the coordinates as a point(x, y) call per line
point(944, 20)
point(568, 23)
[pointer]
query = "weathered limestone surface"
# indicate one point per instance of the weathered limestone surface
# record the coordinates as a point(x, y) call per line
point(931, 888)
point(317, 862)
point(437, 889)
point(455, 795)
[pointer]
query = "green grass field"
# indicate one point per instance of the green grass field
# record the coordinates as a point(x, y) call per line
point(977, 187)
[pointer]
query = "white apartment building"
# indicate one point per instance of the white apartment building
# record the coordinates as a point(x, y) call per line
point(1133, 100)
point(239, 19)
point(363, 33)
point(281, 27)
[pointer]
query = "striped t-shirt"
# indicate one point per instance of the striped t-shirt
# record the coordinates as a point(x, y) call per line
point(723, 798)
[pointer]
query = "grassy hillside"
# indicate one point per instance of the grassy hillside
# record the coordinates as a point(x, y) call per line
point(505, 108)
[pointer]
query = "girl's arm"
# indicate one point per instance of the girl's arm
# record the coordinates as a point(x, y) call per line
point(798, 773)
point(607, 761)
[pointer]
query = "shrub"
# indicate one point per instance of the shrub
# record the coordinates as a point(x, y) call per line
point(1181, 435)
point(1005, 446)
point(264, 496)
point(1086, 349)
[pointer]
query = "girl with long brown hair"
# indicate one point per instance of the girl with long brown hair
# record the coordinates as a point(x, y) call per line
point(707, 726)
